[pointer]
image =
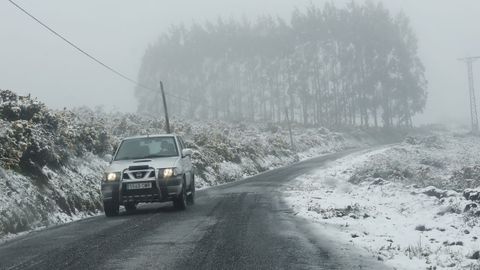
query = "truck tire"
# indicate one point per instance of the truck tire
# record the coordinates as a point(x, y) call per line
point(191, 196)
point(111, 208)
point(180, 203)
point(130, 207)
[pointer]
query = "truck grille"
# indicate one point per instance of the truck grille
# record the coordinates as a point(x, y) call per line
point(140, 174)
point(133, 173)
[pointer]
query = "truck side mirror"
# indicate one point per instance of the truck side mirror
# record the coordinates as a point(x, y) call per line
point(108, 158)
point(187, 152)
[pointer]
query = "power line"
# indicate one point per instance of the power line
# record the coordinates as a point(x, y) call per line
point(118, 73)
point(73, 44)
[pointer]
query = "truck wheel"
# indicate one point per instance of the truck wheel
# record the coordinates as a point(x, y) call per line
point(111, 208)
point(130, 207)
point(180, 203)
point(191, 196)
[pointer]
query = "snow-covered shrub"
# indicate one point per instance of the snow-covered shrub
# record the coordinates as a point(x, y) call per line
point(433, 162)
point(472, 194)
point(13, 107)
point(391, 170)
point(467, 177)
point(432, 141)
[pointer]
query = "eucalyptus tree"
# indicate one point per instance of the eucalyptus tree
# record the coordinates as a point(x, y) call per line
point(328, 66)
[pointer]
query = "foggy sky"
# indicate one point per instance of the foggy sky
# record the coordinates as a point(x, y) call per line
point(34, 61)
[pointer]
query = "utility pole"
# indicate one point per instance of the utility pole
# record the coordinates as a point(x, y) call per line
point(473, 100)
point(289, 128)
point(167, 121)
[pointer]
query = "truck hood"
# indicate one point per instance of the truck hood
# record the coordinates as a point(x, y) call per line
point(157, 163)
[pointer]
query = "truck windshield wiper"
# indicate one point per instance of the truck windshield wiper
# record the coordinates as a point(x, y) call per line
point(157, 156)
point(128, 158)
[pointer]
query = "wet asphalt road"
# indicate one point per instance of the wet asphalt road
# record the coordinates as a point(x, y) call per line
point(242, 225)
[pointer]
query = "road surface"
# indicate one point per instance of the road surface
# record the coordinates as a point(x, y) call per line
point(241, 225)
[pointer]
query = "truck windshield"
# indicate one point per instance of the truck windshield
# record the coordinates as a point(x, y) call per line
point(152, 147)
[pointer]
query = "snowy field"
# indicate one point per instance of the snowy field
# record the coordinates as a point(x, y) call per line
point(410, 205)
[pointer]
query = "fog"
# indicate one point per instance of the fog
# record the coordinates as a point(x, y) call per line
point(118, 32)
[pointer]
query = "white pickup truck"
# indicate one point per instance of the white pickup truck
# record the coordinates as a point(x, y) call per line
point(155, 168)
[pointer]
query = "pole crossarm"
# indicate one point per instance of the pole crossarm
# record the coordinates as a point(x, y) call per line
point(469, 58)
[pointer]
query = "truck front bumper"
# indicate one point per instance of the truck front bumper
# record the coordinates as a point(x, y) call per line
point(162, 190)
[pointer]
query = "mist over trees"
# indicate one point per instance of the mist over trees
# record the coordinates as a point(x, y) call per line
point(330, 66)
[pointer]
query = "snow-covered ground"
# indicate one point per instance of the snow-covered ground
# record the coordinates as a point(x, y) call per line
point(410, 205)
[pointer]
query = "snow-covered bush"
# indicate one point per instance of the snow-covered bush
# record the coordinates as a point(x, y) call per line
point(13, 107)
point(467, 176)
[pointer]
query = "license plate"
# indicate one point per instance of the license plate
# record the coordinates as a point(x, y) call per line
point(139, 186)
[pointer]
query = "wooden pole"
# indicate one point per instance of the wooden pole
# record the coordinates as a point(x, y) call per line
point(289, 128)
point(167, 121)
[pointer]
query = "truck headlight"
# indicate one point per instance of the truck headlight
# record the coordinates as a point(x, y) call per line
point(169, 172)
point(112, 177)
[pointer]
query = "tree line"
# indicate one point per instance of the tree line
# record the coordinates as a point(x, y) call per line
point(356, 65)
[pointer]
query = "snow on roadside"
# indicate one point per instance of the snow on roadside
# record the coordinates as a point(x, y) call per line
point(403, 224)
